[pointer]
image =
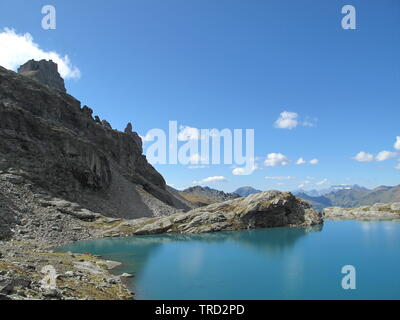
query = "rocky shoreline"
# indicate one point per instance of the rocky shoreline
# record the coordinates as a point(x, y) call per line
point(24, 267)
point(379, 211)
point(34, 224)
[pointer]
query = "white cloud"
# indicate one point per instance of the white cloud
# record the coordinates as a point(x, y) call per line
point(322, 182)
point(301, 161)
point(385, 155)
point(363, 157)
point(397, 143)
point(244, 171)
point(280, 178)
point(276, 159)
point(16, 49)
point(188, 133)
point(290, 120)
point(211, 180)
point(314, 161)
point(397, 167)
point(239, 171)
point(287, 120)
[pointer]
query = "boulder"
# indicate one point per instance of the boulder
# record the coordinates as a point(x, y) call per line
point(262, 210)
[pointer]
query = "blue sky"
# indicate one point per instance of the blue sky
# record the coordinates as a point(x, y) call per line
point(239, 64)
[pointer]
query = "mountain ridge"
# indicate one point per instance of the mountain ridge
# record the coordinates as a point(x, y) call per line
point(353, 198)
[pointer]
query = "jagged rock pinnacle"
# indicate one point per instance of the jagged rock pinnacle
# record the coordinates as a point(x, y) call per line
point(45, 72)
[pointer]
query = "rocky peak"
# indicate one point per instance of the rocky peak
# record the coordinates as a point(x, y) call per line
point(56, 145)
point(45, 72)
point(210, 193)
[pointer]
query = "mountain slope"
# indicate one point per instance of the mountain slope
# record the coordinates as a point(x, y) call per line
point(202, 196)
point(55, 145)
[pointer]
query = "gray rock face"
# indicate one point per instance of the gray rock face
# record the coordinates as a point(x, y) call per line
point(262, 210)
point(45, 72)
point(49, 142)
point(376, 211)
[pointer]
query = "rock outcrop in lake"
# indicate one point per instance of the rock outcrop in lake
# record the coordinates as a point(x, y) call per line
point(262, 210)
point(377, 211)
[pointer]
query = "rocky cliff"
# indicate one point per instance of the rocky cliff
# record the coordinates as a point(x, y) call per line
point(52, 146)
point(45, 72)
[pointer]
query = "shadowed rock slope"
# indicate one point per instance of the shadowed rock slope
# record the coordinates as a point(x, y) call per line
point(50, 143)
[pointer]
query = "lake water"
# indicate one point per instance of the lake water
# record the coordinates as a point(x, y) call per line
point(279, 263)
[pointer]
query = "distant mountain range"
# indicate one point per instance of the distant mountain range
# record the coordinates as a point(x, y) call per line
point(318, 193)
point(246, 191)
point(202, 196)
point(346, 196)
point(352, 197)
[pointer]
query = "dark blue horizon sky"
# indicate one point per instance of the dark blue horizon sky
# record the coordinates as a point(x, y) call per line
point(239, 64)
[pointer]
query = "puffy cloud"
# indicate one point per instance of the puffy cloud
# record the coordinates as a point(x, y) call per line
point(276, 159)
point(16, 49)
point(244, 171)
point(287, 120)
point(314, 161)
point(290, 120)
point(211, 180)
point(385, 155)
point(397, 143)
point(301, 161)
point(363, 157)
point(280, 178)
point(188, 133)
point(239, 171)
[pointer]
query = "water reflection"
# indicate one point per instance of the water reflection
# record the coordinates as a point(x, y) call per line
point(386, 230)
point(138, 250)
point(278, 263)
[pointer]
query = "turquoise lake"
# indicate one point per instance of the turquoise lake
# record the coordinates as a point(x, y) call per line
point(278, 263)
